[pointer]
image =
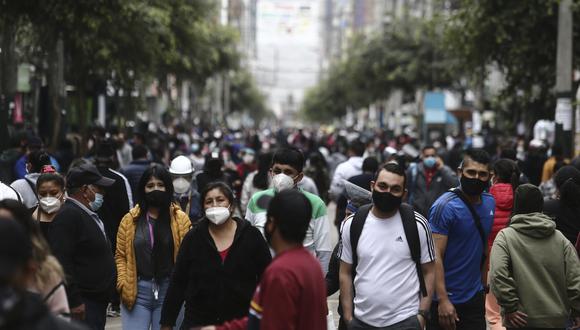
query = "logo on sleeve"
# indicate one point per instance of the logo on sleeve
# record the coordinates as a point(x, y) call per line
point(399, 239)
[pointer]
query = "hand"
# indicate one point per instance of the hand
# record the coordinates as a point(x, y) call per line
point(516, 319)
point(447, 315)
point(422, 321)
point(78, 313)
point(576, 324)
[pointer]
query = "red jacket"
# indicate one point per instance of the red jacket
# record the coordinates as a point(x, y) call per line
point(503, 194)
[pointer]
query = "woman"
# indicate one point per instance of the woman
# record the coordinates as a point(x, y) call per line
point(566, 208)
point(148, 240)
point(218, 267)
point(48, 279)
point(26, 187)
point(256, 181)
point(50, 193)
point(505, 180)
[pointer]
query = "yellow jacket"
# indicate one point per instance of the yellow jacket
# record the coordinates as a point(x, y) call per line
point(125, 252)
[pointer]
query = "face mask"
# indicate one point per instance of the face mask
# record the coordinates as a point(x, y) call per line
point(217, 215)
point(158, 198)
point(282, 182)
point(97, 203)
point(430, 162)
point(385, 201)
point(181, 185)
point(248, 159)
point(472, 187)
point(50, 204)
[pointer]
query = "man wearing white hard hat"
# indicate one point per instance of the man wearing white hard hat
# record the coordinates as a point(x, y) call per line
point(186, 194)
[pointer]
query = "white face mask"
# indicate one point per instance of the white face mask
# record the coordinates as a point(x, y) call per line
point(181, 185)
point(248, 159)
point(50, 204)
point(217, 215)
point(282, 182)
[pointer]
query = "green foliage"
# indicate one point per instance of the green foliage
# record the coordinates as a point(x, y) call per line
point(246, 97)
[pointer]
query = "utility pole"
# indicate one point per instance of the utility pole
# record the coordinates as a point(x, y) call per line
point(564, 115)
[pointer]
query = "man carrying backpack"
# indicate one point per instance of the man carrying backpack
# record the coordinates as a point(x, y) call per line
point(387, 271)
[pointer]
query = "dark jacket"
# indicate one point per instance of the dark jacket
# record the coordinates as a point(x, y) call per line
point(215, 292)
point(422, 198)
point(29, 312)
point(134, 171)
point(566, 218)
point(84, 252)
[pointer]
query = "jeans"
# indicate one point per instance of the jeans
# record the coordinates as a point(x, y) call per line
point(95, 313)
point(471, 314)
point(412, 323)
point(146, 312)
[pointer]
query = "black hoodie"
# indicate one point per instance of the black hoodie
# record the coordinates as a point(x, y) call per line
point(215, 292)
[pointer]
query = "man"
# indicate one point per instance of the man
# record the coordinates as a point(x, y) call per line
point(428, 180)
point(287, 171)
point(535, 272)
point(185, 194)
point(461, 221)
point(118, 202)
point(79, 241)
point(348, 169)
point(135, 169)
point(21, 310)
point(291, 294)
point(389, 290)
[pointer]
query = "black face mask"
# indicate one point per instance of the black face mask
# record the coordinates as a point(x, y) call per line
point(158, 198)
point(472, 186)
point(385, 201)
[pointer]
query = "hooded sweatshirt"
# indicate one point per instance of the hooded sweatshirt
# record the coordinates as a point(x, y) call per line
point(535, 270)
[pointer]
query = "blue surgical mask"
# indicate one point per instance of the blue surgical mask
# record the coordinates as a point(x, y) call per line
point(98, 202)
point(430, 162)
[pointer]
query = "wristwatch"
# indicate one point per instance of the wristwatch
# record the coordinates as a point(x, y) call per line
point(425, 313)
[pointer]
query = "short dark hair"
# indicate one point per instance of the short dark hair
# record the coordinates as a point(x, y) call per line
point(477, 155)
point(392, 167)
point(357, 147)
point(139, 151)
point(158, 172)
point(427, 147)
point(48, 177)
point(291, 212)
point(221, 186)
point(289, 156)
point(37, 159)
point(370, 164)
point(509, 153)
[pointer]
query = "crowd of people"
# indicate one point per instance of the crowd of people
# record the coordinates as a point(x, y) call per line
point(216, 229)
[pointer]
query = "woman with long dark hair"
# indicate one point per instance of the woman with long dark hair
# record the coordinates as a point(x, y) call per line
point(148, 240)
point(218, 267)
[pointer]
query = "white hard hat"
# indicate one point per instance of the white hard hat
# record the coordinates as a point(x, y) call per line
point(181, 165)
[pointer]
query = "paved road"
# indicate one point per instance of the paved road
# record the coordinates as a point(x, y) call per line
point(115, 323)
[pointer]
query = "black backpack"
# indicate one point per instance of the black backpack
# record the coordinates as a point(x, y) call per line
point(411, 233)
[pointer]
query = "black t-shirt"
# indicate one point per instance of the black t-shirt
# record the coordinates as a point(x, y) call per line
point(566, 218)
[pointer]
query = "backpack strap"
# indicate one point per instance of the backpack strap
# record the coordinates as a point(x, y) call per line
point(412, 235)
point(16, 192)
point(459, 193)
point(356, 227)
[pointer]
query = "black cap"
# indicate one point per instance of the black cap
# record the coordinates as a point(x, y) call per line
point(86, 174)
point(15, 247)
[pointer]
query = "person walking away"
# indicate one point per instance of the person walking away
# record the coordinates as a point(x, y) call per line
point(461, 221)
point(548, 188)
point(286, 171)
point(21, 309)
point(291, 292)
point(557, 155)
point(50, 188)
point(256, 181)
point(535, 271)
point(33, 144)
point(218, 266)
point(505, 180)
point(26, 186)
point(148, 241)
point(78, 240)
point(427, 180)
point(135, 169)
point(344, 171)
point(186, 195)
point(566, 208)
point(317, 169)
point(373, 242)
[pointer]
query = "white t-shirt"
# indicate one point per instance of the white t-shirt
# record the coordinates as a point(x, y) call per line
point(386, 284)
